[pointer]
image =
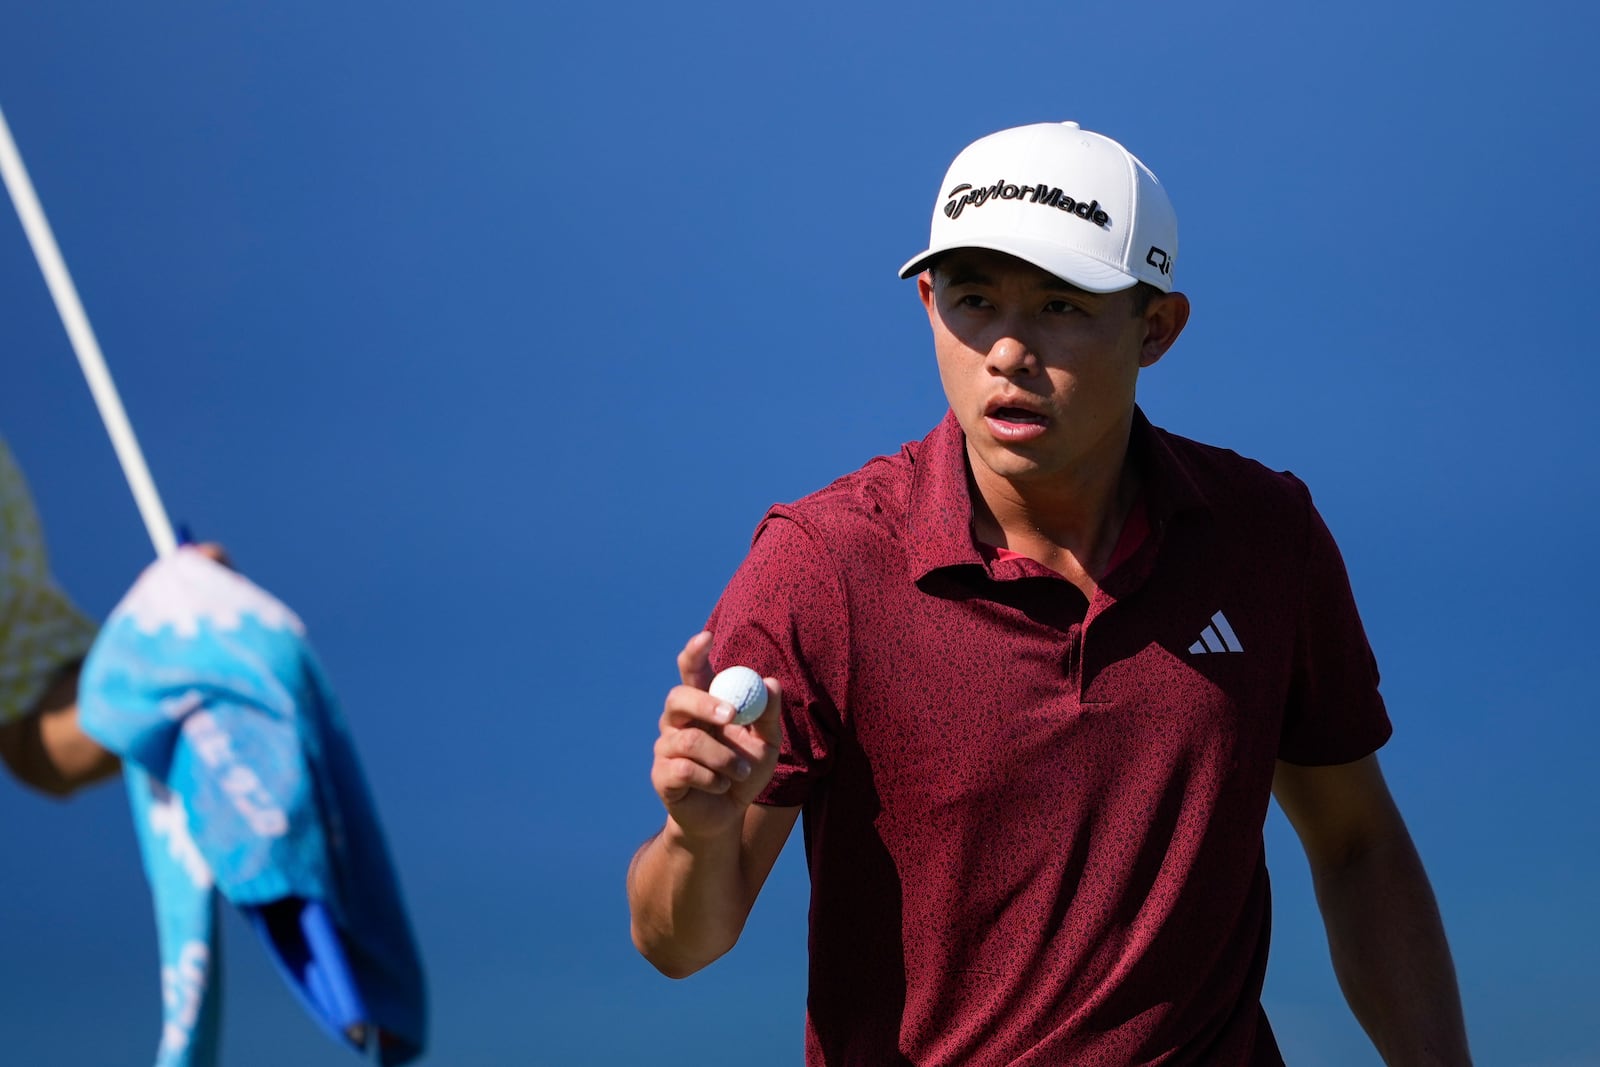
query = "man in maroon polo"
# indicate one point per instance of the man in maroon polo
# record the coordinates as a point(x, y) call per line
point(1033, 681)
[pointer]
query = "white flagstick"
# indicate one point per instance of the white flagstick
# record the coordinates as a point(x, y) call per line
point(84, 344)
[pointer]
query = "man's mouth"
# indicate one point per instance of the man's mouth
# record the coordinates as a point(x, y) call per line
point(1021, 415)
point(1012, 424)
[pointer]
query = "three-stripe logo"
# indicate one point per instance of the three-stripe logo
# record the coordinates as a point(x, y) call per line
point(1218, 637)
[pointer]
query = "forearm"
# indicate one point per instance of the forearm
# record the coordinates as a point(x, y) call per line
point(1391, 957)
point(688, 898)
point(48, 750)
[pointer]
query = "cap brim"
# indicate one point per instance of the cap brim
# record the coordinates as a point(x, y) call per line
point(1086, 272)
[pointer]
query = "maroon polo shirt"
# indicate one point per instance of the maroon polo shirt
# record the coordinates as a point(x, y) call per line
point(1033, 821)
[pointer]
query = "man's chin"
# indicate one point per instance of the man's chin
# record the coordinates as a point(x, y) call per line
point(1013, 464)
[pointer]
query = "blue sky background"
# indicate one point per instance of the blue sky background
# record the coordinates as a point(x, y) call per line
point(483, 335)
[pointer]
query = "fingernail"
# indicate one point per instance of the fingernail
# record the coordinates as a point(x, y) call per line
point(741, 770)
point(724, 713)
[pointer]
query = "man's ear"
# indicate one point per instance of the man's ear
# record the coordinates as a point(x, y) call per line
point(1164, 320)
point(925, 288)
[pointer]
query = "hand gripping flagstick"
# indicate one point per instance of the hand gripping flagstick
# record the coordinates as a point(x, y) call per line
point(84, 344)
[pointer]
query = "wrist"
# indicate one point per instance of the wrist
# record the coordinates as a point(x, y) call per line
point(701, 840)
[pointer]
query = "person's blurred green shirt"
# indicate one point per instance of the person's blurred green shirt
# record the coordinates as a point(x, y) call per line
point(40, 630)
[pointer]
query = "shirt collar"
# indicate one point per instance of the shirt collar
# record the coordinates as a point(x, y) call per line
point(1169, 486)
point(939, 513)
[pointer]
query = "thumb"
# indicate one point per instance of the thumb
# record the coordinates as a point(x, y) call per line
point(694, 662)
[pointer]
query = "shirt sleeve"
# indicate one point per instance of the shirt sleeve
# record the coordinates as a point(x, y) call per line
point(40, 629)
point(783, 614)
point(1335, 712)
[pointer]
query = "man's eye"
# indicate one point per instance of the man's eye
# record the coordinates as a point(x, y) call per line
point(1057, 307)
point(972, 300)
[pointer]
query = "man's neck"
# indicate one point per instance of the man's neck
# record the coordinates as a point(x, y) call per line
point(1069, 522)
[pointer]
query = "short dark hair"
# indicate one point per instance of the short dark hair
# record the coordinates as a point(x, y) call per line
point(1143, 293)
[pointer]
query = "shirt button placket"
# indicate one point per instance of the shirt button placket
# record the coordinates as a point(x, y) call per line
point(1072, 660)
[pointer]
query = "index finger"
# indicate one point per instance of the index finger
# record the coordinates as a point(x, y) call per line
point(688, 706)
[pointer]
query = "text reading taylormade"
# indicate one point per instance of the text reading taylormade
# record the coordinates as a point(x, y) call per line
point(965, 194)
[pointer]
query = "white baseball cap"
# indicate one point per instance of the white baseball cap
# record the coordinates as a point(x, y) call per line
point(1071, 202)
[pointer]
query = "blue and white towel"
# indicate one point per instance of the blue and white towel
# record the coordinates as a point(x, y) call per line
point(243, 781)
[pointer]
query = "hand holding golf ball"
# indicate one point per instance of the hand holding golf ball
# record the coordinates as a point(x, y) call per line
point(720, 735)
point(743, 689)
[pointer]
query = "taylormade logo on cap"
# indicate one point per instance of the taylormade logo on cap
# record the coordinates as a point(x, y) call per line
point(964, 194)
point(1116, 229)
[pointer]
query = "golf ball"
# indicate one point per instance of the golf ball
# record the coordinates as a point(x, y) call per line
point(744, 689)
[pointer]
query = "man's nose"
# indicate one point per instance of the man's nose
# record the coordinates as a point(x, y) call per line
point(1011, 355)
